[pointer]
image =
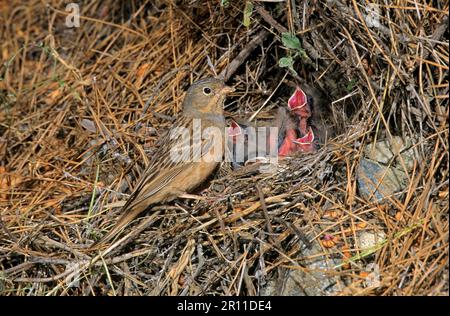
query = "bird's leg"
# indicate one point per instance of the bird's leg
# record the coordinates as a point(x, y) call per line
point(209, 199)
point(193, 197)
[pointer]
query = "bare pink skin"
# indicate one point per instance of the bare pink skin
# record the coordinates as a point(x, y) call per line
point(292, 144)
point(288, 147)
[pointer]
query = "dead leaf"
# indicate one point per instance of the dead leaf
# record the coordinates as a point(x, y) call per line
point(140, 74)
point(8, 181)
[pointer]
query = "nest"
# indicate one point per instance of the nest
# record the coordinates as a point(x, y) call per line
point(81, 109)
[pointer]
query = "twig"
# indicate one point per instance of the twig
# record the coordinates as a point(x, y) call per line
point(269, 19)
point(266, 216)
point(243, 55)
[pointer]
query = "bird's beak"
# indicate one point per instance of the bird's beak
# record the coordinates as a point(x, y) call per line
point(227, 90)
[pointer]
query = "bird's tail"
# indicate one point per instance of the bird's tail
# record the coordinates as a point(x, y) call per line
point(124, 220)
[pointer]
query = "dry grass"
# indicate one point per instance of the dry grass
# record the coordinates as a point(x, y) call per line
point(79, 106)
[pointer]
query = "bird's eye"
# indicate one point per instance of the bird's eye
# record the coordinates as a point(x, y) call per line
point(207, 90)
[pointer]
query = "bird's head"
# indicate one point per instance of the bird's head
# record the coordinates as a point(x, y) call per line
point(206, 96)
point(298, 100)
point(233, 131)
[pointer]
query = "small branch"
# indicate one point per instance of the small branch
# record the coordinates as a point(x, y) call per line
point(243, 55)
point(266, 216)
point(269, 19)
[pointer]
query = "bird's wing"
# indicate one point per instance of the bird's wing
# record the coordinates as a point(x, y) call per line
point(148, 187)
point(162, 168)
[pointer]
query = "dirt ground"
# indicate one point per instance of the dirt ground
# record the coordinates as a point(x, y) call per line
point(87, 88)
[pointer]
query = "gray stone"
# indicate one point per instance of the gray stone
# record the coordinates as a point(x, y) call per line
point(310, 279)
point(376, 181)
point(383, 169)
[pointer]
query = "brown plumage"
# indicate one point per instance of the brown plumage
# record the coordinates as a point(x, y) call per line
point(165, 178)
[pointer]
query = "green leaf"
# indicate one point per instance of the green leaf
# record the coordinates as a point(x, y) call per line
point(224, 3)
point(247, 13)
point(286, 62)
point(291, 41)
point(351, 84)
